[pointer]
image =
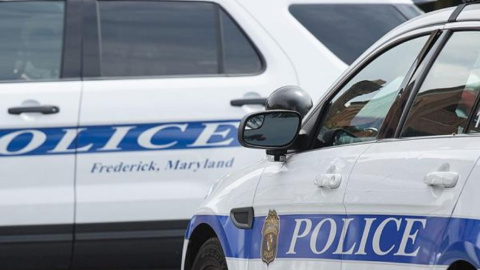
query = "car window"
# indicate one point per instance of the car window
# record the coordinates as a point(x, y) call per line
point(357, 111)
point(348, 29)
point(172, 38)
point(240, 57)
point(448, 94)
point(31, 40)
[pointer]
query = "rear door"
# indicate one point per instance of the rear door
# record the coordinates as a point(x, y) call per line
point(403, 191)
point(157, 123)
point(39, 104)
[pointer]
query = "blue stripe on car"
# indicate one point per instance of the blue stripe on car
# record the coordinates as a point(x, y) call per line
point(118, 138)
point(437, 240)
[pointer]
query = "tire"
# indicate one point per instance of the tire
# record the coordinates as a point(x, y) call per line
point(210, 256)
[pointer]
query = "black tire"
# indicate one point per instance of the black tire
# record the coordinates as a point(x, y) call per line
point(210, 256)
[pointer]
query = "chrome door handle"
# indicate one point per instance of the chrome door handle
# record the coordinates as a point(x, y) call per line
point(441, 179)
point(328, 180)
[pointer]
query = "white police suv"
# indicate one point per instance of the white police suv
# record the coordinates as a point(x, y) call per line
point(382, 174)
point(117, 116)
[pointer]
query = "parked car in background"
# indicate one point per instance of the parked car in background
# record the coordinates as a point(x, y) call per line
point(117, 116)
point(382, 174)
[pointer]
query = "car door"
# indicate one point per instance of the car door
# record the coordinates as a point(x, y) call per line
point(404, 190)
point(39, 104)
point(164, 90)
point(305, 194)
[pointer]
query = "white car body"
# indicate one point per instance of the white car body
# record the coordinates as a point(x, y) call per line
point(124, 161)
point(396, 202)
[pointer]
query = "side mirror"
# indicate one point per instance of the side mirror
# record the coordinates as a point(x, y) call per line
point(270, 130)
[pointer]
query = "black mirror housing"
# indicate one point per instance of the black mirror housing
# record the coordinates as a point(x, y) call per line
point(270, 130)
point(290, 97)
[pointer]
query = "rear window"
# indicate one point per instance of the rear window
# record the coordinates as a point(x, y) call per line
point(150, 38)
point(349, 29)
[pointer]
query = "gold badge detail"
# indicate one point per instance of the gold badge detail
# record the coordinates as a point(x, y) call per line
point(270, 231)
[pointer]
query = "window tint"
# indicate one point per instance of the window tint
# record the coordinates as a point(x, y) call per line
point(357, 111)
point(348, 29)
point(172, 38)
point(31, 40)
point(448, 94)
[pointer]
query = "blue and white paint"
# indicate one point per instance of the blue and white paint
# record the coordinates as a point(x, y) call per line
point(134, 137)
point(379, 238)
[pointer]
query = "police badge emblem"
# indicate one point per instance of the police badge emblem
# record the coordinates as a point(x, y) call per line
point(270, 231)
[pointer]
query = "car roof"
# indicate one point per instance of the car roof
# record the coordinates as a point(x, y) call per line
point(438, 17)
point(470, 13)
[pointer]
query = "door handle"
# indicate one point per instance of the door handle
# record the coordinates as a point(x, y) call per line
point(248, 101)
point(328, 180)
point(441, 179)
point(46, 109)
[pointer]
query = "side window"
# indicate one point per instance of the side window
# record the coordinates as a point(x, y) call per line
point(357, 111)
point(448, 94)
point(31, 40)
point(239, 55)
point(146, 38)
point(349, 29)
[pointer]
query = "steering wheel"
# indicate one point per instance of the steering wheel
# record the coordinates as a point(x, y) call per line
point(338, 136)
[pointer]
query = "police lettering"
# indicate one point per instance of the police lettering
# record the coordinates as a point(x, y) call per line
point(140, 137)
point(368, 234)
point(29, 140)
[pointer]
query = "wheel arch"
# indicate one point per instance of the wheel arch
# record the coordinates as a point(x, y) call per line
point(462, 255)
point(461, 265)
point(198, 236)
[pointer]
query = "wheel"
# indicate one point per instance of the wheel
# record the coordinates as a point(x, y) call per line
point(210, 256)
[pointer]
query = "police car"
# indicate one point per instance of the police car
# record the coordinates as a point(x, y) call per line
point(381, 174)
point(117, 116)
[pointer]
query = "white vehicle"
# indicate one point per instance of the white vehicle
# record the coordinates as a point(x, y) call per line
point(382, 174)
point(117, 116)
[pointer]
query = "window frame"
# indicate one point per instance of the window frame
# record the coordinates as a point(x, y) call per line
point(91, 52)
point(315, 120)
point(70, 65)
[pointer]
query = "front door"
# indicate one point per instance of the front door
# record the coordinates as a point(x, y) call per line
point(307, 191)
point(306, 195)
